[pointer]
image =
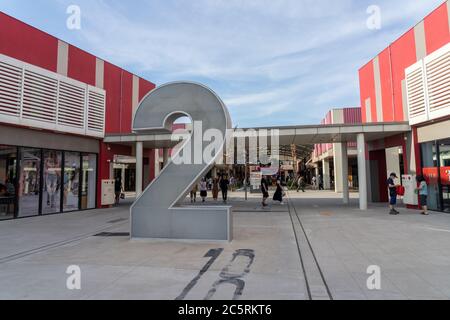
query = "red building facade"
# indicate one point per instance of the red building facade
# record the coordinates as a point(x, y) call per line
point(386, 96)
point(21, 43)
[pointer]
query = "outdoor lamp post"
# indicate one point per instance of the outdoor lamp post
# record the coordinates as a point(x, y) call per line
point(245, 176)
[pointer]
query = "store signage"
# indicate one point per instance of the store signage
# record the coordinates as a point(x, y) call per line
point(108, 196)
point(271, 171)
point(124, 159)
point(410, 185)
point(445, 176)
point(430, 175)
point(255, 179)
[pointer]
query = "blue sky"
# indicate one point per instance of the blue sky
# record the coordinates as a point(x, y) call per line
point(273, 62)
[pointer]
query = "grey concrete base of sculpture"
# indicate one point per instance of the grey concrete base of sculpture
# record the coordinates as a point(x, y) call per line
point(204, 223)
point(157, 213)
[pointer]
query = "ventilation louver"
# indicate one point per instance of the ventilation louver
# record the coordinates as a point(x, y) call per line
point(35, 97)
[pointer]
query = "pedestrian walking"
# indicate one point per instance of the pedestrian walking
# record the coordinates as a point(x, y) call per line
point(301, 185)
point(215, 189)
point(278, 196)
point(423, 194)
point(210, 182)
point(224, 183)
point(265, 191)
point(314, 183)
point(320, 182)
point(194, 193)
point(232, 183)
point(203, 190)
point(117, 190)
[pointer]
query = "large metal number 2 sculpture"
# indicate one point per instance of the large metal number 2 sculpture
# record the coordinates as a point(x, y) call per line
point(157, 212)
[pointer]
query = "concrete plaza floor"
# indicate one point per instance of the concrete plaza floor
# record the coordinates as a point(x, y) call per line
point(313, 247)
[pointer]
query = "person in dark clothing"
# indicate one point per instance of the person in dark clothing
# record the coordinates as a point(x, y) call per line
point(320, 182)
point(264, 190)
point(278, 196)
point(392, 193)
point(117, 189)
point(224, 183)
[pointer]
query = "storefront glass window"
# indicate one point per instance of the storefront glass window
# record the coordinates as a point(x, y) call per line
point(89, 178)
point(8, 181)
point(29, 182)
point(51, 197)
point(444, 161)
point(431, 174)
point(71, 181)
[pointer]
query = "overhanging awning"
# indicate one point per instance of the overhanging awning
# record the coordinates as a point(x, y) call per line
point(292, 135)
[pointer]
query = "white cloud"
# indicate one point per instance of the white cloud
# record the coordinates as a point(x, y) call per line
point(257, 54)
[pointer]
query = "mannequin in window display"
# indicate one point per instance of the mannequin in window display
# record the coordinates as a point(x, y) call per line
point(31, 180)
point(10, 188)
point(71, 187)
point(52, 166)
point(66, 181)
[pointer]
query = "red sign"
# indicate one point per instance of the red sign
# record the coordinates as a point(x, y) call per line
point(430, 175)
point(445, 176)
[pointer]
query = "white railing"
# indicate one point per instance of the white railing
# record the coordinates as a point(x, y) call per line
point(428, 87)
point(34, 97)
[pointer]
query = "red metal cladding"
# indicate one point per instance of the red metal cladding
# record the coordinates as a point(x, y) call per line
point(126, 102)
point(23, 42)
point(112, 87)
point(437, 32)
point(403, 55)
point(386, 86)
point(119, 98)
point(367, 89)
point(81, 66)
point(352, 115)
point(379, 156)
point(144, 88)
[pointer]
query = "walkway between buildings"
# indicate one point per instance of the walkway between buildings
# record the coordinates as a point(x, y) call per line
point(314, 247)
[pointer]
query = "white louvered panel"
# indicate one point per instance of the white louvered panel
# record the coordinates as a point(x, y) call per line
point(438, 82)
point(71, 106)
point(10, 89)
point(416, 96)
point(32, 96)
point(39, 97)
point(96, 111)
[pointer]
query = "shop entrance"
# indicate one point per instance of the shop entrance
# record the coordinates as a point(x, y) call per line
point(436, 170)
point(8, 179)
point(382, 163)
point(125, 171)
point(36, 181)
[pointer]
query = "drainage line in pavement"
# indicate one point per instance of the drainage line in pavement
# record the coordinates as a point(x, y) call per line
point(312, 251)
point(308, 289)
point(55, 245)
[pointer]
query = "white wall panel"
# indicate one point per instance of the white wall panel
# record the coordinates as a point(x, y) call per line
point(428, 87)
point(437, 67)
